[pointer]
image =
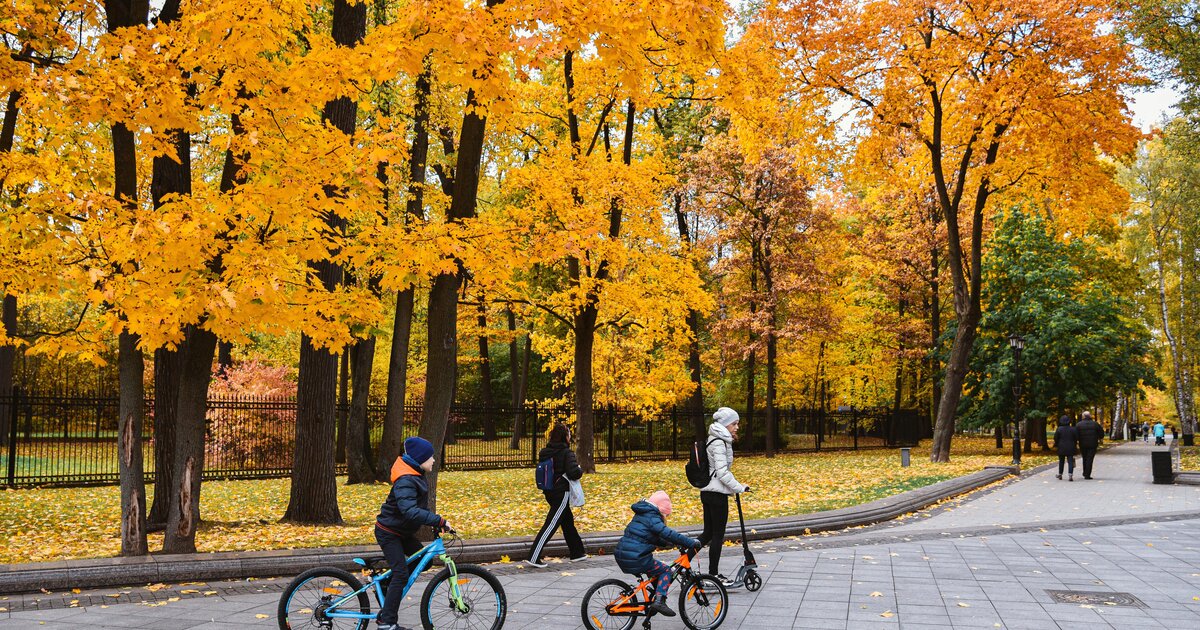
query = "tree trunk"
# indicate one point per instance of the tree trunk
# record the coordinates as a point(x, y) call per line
point(224, 356)
point(515, 377)
point(694, 408)
point(956, 372)
point(443, 297)
point(485, 377)
point(751, 341)
point(343, 406)
point(314, 484)
point(129, 460)
point(440, 366)
point(359, 467)
point(1181, 390)
point(8, 356)
point(391, 445)
point(194, 378)
point(166, 399)
point(8, 301)
point(120, 14)
point(519, 396)
point(585, 404)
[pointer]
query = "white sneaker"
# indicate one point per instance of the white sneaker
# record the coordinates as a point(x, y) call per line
point(538, 565)
point(581, 558)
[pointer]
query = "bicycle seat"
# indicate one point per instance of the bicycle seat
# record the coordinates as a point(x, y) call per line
point(372, 562)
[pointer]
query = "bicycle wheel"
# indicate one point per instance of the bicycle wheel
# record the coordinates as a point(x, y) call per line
point(481, 592)
point(595, 606)
point(304, 601)
point(703, 603)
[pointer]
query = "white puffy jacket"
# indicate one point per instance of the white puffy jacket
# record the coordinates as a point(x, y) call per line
point(720, 458)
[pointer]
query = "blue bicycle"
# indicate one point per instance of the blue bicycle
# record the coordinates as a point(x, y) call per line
point(459, 596)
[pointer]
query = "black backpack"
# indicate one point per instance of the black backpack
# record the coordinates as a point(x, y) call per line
point(696, 468)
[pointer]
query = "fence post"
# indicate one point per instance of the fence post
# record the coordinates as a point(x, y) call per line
point(854, 421)
point(13, 405)
point(674, 432)
point(533, 432)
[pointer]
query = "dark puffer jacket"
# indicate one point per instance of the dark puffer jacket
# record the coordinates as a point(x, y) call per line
point(1066, 438)
point(565, 464)
point(1090, 433)
point(406, 508)
point(645, 533)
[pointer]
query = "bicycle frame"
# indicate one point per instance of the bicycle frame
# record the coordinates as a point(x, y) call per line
point(435, 549)
point(628, 605)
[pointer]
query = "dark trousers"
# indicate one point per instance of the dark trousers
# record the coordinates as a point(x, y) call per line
point(716, 517)
point(1088, 454)
point(396, 549)
point(1070, 460)
point(559, 515)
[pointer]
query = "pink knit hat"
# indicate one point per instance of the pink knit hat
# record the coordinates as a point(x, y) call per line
point(661, 500)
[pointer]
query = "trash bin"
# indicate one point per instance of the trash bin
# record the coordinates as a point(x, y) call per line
point(1160, 465)
point(905, 457)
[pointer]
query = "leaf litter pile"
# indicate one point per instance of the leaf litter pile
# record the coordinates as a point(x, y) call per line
point(43, 525)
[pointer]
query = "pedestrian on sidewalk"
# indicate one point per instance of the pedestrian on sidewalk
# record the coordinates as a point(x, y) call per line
point(1145, 431)
point(1174, 433)
point(558, 456)
point(715, 496)
point(1090, 435)
point(1066, 441)
point(1160, 434)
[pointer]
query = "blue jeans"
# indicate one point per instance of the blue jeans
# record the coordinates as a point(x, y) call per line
point(1070, 460)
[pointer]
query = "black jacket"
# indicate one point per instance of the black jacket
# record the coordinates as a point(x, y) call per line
point(1066, 438)
point(406, 508)
point(565, 464)
point(645, 533)
point(1090, 433)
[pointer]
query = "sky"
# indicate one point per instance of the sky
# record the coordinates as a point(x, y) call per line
point(1149, 107)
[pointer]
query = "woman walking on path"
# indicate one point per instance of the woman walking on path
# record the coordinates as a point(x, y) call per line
point(715, 496)
point(558, 496)
point(1066, 441)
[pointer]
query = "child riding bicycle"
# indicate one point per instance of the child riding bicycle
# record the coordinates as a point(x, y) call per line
point(645, 533)
point(405, 511)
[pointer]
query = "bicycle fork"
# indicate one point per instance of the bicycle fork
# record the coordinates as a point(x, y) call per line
point(456, 599)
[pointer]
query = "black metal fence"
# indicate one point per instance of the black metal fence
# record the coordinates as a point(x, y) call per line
point(70, 439)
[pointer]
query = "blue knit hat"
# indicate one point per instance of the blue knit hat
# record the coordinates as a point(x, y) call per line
point(419, 449)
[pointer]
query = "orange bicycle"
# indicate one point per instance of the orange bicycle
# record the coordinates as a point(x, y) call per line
point(612, 604)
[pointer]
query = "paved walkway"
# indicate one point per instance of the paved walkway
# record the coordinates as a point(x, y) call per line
point(1120, 486)
point(917, 578)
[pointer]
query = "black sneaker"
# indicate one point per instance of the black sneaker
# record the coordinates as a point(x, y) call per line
point(727, 582)
point(659, 605)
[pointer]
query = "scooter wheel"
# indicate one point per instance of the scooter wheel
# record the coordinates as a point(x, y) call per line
point(753, 581)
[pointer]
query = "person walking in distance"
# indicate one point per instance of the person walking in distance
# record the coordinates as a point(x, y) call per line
point(715, 496)
point(1066, 442)
point(1145, 431)
point(1090, 435)
point(560, 459)
point(1160, 434)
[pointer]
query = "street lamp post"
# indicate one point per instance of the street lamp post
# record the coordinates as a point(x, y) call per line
point(1017, 343)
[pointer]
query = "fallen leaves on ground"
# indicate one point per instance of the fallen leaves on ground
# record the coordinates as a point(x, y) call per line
point(66, 523)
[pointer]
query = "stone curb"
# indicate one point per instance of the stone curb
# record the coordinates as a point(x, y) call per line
point(100, 572)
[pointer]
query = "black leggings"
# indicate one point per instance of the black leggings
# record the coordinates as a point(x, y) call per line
point(716, 517)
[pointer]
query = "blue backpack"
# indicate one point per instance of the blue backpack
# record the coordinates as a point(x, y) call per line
point(544, 475)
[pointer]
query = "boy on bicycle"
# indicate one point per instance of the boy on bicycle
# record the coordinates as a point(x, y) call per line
point(645, 533)
point(405, 511)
